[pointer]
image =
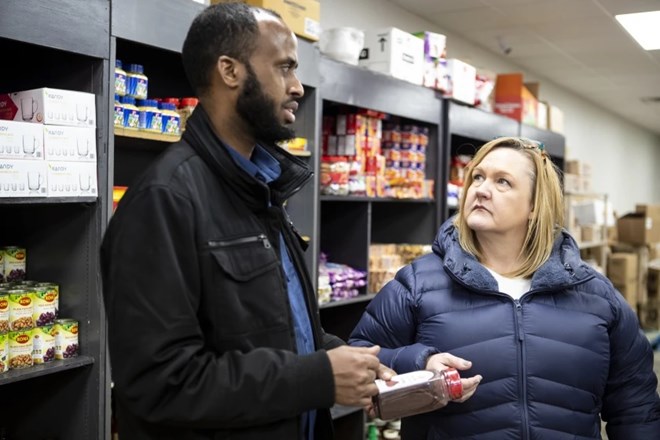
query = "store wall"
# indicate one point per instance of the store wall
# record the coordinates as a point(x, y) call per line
point(624, 156)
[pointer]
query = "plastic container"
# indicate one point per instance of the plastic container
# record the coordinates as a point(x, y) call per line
point(170, 119)
point(137, 84)
point(151, 118)
point(119, 112)
point(342, 44)
point(185, 110)
point(131, 113)
point(120, 79)
point(416, 392)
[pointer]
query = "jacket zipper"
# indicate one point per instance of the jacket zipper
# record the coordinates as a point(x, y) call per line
point(523, 371)
point(243, 240)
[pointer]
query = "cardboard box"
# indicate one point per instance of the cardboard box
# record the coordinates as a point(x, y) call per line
point(516, 99)
point(542, 115)
point(555, 119)
point(69, 143)
point(653, 284)
point(302, 16)
point(572, 183)
point(591, 212)
point(72, 179)
point(21, 140)
point(629, 292)
point(642, 253)
point(461, 81)
point(394, 52)
point(23, 178)
point(622, 268)
point(640, 227)
point(578, 167)
point(435, 60)
point(649, 315)
point(50, 106)
point(592, 233)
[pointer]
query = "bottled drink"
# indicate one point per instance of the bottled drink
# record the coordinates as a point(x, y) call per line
point(416, 392)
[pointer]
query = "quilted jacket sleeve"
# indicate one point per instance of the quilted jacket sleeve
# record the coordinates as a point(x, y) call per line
point(631, 405)
point(390, 321)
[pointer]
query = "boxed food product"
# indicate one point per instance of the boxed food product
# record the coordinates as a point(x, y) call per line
point(516, 99)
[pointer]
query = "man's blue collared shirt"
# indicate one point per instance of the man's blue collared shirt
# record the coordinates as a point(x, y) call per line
point(266, 168)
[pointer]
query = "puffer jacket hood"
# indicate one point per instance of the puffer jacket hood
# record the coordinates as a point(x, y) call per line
point(563, 269)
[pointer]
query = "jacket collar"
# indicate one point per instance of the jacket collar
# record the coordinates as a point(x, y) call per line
point(200, 136)
point(563, 269)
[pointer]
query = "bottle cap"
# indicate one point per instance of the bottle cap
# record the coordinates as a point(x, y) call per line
point(189, 102)
point(454, 385)
point(118, 64)
point(135, 68)
point(128, 100)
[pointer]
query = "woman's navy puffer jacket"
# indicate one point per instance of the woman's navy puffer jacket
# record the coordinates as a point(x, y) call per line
point(553, 362)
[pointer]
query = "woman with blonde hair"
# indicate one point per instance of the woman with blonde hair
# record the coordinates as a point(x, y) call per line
point(546, 345)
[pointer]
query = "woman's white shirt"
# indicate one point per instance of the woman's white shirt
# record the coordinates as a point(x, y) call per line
point(514, 287)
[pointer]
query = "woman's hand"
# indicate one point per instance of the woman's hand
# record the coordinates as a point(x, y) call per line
point(442, 361)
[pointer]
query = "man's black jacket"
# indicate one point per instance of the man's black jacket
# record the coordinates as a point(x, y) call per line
point(201, 337)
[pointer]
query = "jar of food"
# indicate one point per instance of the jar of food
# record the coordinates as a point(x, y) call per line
point(416, 392)
point(171, 119)
point(131, 113)
point(151, 118)
point(119, 112)
point(120, 79)
point(137, 84)
point(185, 110)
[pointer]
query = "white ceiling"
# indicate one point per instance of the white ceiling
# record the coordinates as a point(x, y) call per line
point(577, 44)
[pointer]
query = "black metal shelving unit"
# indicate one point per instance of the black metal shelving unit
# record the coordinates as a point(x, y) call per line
point(60, 44)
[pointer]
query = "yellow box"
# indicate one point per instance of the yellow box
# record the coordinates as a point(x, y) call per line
point(302, 16)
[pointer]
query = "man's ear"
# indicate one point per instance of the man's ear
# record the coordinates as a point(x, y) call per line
point(230, 71)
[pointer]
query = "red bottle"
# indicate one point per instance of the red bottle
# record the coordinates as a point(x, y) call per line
point(416, 392)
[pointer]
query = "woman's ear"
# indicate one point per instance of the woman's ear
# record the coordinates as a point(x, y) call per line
point(230, 71)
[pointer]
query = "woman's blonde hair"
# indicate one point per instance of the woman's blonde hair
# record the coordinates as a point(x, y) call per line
point(547, 205)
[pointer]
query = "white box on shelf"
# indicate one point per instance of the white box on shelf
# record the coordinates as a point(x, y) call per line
point(21, 140)
point(69, 143)
point(461, 81)
point(50, 106)
point(72, 179)
point(23, 178)
point(394, 52)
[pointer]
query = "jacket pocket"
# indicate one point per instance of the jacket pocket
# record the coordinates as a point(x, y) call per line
point(244, 258)
point(245, 294)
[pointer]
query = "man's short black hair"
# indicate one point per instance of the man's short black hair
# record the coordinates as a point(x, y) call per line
point(229, 29)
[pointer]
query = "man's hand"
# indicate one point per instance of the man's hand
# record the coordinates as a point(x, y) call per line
point(442, 361)
point(354, 370)
point(384, 373)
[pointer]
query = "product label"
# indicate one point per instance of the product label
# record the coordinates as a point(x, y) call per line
point(403, 380)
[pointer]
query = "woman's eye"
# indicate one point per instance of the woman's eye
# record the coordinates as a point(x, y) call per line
point(503, 182)
point(477, 177)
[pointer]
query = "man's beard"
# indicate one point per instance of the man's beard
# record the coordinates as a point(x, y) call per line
point(258, 111)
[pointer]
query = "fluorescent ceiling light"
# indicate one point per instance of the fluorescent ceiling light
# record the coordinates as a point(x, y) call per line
point(644, 28)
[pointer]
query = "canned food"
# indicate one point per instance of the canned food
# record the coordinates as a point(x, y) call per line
point(4, 352)
point(20, 349)
point(53, 289)
point(4, 311)
point(20, 309)
point(66, 338)
point(14, 263)
point(43, 311)
point(43, 344)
